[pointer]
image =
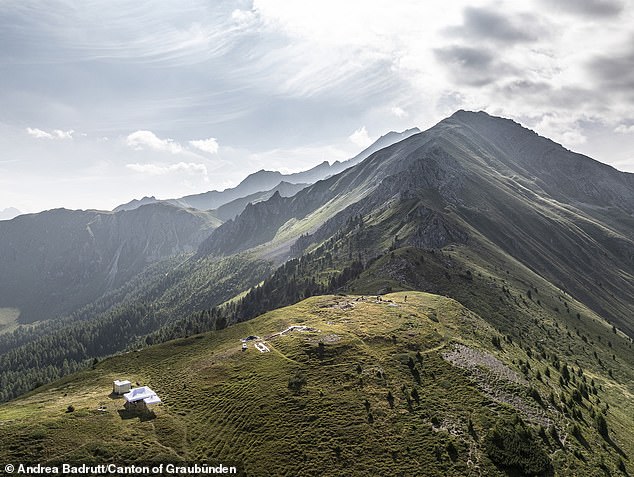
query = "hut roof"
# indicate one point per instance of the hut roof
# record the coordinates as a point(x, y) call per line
point(143, 393)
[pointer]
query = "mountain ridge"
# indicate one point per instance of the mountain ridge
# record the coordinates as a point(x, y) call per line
point(457, 172)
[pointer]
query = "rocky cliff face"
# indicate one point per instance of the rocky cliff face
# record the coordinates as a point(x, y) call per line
point(560, 173)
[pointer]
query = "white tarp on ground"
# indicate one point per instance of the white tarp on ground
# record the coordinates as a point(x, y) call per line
point(143, 393)
point(152, 400)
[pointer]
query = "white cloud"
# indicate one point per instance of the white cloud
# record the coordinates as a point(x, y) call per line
point(59, 134)
point(360, 137)
point(38, 133)
point(399, 112)
point(379, 24)
point(561, 128)
point(623, 129)
point(243, 17)
point(54, 134)
point(206, 145)
point(140, 140)
point(331, 43)
point(162, 169)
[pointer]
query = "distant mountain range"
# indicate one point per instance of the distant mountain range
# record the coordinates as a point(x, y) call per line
point(55, 261)
point(268, 180)
point(58, 260)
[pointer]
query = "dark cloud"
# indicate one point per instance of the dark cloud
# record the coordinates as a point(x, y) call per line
point(466, 57)
point(592, 8)
point(525, 87)
point(542, 94)
point(471, 66)
point(615, 72)
point(481, 23)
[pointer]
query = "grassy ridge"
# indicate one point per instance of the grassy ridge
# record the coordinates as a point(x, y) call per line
point(376, 397)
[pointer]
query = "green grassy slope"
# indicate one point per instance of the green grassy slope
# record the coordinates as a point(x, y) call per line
point(412, 386)
point(121, 319)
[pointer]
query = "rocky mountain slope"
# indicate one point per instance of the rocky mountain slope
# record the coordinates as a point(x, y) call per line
point(479, 178)
point(56, 261)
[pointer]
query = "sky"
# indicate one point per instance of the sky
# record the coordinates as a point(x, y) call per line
point(105, 101)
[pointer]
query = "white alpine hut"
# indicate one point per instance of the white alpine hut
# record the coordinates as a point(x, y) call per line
point(121, 387)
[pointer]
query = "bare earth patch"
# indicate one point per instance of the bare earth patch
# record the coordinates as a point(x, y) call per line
point(496, 380)
point(330, 338)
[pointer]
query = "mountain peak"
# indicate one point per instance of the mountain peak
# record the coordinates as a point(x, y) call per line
point(469, 113)
point(471, 118)
point(260, 173)
point(481, 118)
point(135, 204)
point(404, 134)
